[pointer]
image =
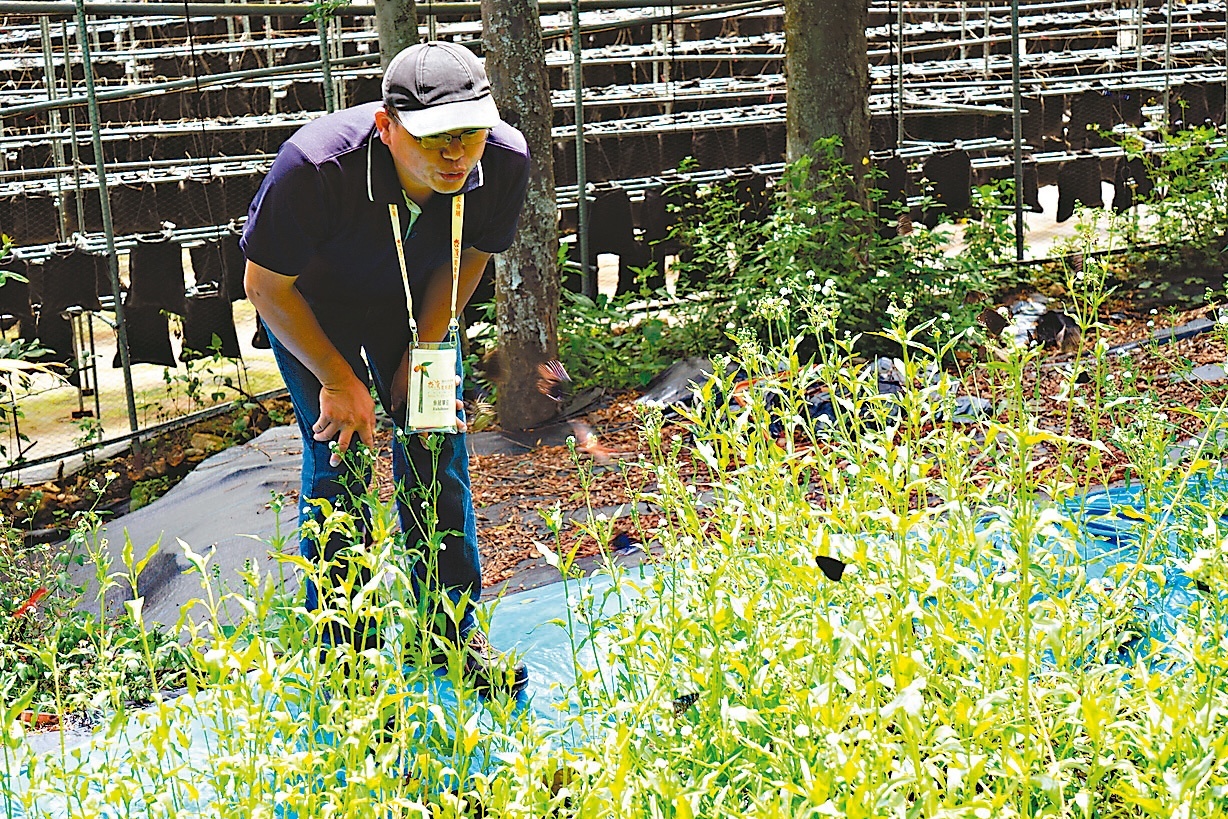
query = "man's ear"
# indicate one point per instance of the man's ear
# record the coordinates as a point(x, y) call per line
point(383, 124)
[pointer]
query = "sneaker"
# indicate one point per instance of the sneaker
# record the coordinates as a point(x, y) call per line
point(492, 671)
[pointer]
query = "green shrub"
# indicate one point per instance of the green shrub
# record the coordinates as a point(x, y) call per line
point(147, 491)
point(737, 274)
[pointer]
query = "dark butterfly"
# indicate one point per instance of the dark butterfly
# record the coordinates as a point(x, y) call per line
point(683, 702)
point(832, 568)
point(622, 544)
point(1057, 330)
point(903, 224)
point(552, 380)
point(992, 321)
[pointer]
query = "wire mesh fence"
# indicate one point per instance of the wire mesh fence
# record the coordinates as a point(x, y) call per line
point(181, 166)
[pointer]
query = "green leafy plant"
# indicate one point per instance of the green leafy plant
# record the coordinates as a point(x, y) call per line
point(68, 658)
point(620, 343)
point(89, 433)
point(1183, 221)
point(147, 491)
point(820, 242)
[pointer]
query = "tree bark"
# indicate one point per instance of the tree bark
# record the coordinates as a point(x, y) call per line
point(828, 79)
point(526, 275)
point(397, 24)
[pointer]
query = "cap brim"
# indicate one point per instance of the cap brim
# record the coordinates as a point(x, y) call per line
point(452, 116)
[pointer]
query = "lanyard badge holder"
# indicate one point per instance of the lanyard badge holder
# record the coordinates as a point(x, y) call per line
point(431, 404)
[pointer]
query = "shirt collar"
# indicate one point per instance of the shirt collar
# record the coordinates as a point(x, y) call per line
point(382, 183)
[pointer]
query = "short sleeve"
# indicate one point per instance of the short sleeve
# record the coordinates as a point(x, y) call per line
point(286, 220)
point(500, 229)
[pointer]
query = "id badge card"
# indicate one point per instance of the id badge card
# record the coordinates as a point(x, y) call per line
point(432, 387)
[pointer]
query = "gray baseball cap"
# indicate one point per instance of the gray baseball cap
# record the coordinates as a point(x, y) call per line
point(439, 86)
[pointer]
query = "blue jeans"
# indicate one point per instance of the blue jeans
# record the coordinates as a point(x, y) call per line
point(373, 340)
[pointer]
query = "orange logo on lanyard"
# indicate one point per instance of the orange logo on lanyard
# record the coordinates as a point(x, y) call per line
point(458, 222)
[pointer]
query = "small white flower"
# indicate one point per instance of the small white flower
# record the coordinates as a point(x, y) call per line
point(801, 730)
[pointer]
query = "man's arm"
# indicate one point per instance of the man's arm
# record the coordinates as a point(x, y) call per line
point(345, 402)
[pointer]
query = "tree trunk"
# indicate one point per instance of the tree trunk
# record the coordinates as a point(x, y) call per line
point(397, 24)
point(526, 275)
point(828, 79)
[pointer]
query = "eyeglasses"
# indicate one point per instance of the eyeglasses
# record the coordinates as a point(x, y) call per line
point(435, 142)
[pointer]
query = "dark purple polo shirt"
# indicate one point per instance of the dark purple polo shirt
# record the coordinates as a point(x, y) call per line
point(322, 212)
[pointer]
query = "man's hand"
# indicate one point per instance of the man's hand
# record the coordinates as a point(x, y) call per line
point(345, 410)
point(345, 402)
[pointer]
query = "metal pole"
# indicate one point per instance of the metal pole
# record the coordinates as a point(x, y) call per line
point(588, 277)
point(1138, 60)
point(336, 51)
point(14, 415)
point(963, 29)
point(899, 74)
point(94, 370)
point(986, 48)
point(108, 228)
point(57, 144)
point(1017, 129)
point(268, 50)
point(1168, 59)
point(233, 56)
point(78, 347)
point(72, 130)
point(330, 102)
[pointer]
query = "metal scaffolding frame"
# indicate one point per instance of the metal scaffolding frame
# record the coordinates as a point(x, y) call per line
point(1178, 43)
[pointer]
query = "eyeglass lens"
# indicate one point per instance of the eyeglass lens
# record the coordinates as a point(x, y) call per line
point(468, 138)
